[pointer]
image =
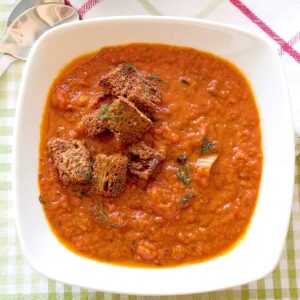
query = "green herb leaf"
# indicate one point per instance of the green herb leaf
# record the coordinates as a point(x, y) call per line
point(207, 145)
point(157, 78)
point(109, 116)
point(185, 175)
point(104, 110)
point(89, 177)
point(42, 200)
point(186, 198)
point(116, 225)
point(140, 76)
point(98, 213)
point(138, 73)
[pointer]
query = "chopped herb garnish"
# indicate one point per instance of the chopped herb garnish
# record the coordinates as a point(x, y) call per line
point(108, 116)
point(98, 213)
point(155, 77)
point(138, 73)
point(149, 90)
point(89, 177)
point(104, 110)
point(207, 145)
point(185, 175)
point(186, 198)
point(181, 159)
point(42, 200)
point(140, 76)
point(116, 225)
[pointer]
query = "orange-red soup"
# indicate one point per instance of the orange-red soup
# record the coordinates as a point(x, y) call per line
point(203, 96)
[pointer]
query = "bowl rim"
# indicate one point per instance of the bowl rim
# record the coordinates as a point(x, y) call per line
point(211, 24)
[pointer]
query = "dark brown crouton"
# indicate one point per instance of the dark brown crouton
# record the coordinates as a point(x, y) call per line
point(72, 160)
point(143, 168)
point(143, 151)
point(109, 175)
point(93, 126)
point(126, 81)
point(126, 121)
point(143, 160)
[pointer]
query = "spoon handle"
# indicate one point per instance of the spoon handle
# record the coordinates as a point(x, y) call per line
point(5, 61)
point(7, 47)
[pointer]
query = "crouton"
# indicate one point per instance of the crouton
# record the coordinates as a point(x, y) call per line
point(109, 174)
point(72, 160)
point(143, 151)
point(126, 81)
point(93, 126)
point(143, 160)
point(126, 122)
point(143, 168)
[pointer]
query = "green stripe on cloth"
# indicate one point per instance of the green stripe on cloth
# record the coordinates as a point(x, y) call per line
point(115, 297)
point(51, 290)
point(67, 292)
point(150, 8)
point(4, 149)
point(6, 131)
point(5, 167)
point(261, 292)
point(209, 8)
point(5, 186)
point(245, 293)
point(277, 283)
point(7, 112)
point(99, 296)
point(83, 294)
point(291, 262)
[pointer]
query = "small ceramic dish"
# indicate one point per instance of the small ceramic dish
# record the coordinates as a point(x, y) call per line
point(256, 254)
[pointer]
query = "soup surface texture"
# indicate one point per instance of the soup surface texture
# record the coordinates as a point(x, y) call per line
point(199, 200)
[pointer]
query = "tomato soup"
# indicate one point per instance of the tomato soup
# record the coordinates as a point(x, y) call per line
point(199, 201)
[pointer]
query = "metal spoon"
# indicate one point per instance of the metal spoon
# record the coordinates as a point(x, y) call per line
point(28, 27)
point(5, 59)
point(26, 4)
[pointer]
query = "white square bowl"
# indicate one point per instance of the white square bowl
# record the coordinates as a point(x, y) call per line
point(258, 252)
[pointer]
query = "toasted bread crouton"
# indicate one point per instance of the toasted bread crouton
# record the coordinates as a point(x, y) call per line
point(143, 151)
point(143, 160)
point(126, 81)
point(143, 168)
point(126, 121)
point(93, 126)
point(72, 160)
point(109, 175)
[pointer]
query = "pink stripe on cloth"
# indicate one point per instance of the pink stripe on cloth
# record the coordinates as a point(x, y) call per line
point(87, 6)
point(273, 35)
point(292, 42)
point(67, 2)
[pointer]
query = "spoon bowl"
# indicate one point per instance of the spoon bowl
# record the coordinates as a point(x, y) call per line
point(23, 5)
point(31, 24)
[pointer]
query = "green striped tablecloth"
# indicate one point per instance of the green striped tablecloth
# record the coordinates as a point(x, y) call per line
point(19, 281)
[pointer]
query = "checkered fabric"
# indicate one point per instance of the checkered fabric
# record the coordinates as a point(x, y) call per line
point(279, 20)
